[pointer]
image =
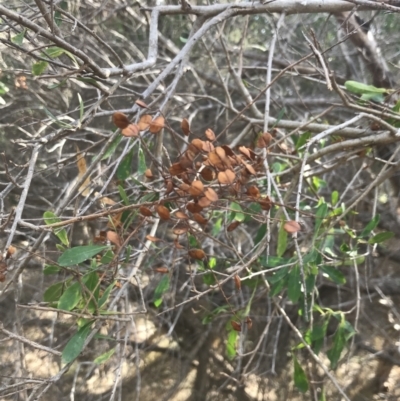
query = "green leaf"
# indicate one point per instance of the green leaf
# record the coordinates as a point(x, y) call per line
point(334, 197)
point(277, 287)
point(274, 261)
point(54, 51)
point(294, 284)
point(381, 237)
point(279, 275)
point(75, 344)
point(106, 294)
point(335, 275)
point(3, 88)
point(104, 357)
point(123, 195)
point(19, 38)
point(124, 169)
point(360, 88)
point(282, 241)
point(237, 213)
point(231, 344)
point(318, 334)
point(370, 226)
point(79, 254)
point(260, 234)
point(217, 227)
point(50, 269)
point(70, 298)
point(321, 213)
point(396, 107)
point(300, 378)
point(208, 279)
point(161, 288)
point(107, 257)
point(142, 162)
point(57, 18)
point(113, 146)
point(39, 67)
point(53, 293)
point(303, 139)
point(56, 85)
point(91, 282)
point(51, 218)
point(373, 97)
point(339, 342)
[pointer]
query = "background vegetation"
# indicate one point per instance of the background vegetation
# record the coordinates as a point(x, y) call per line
point(199, 201)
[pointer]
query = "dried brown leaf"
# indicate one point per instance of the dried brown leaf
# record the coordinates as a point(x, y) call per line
point(247, 152)
point(204, 202)
point(162, 270)
point(185, 127)
point(208, 146)
point(264, 140)
point(238, 282)
point(210, 135)
point(211, 194)
point(145, 211)
point(199, 218)
point(131, 131)
point(226, 177)
point(249, 323)
point(10, 251)
point(250, 169)
point(181, 215)
point(141, 104)
point(120, 120)
point(144, 122)
point(233, 226)
point(114, 238)
point(292, 226)
point(148, 174)
point(253, 191)
point(152, 239)
point(198, 144)
point(163, 212)
point(81, 163)
point(208, 174)
point(194, 207)
point(176, 169)
point(197, 254)
point(236, 326)
point(266, 203)
point(178, 245)
point(197, 188)
point(157, 125)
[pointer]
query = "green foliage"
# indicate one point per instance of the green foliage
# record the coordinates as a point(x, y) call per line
point(299, 376)
point(39, 67)
point(50, 218)
point(103, 358)
point(160, 290)
point(367, 92)
point(75, 344)
point(231, 343)
point(70, 298)
point(125, 167)
point(79, 254)
point(19, 38)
